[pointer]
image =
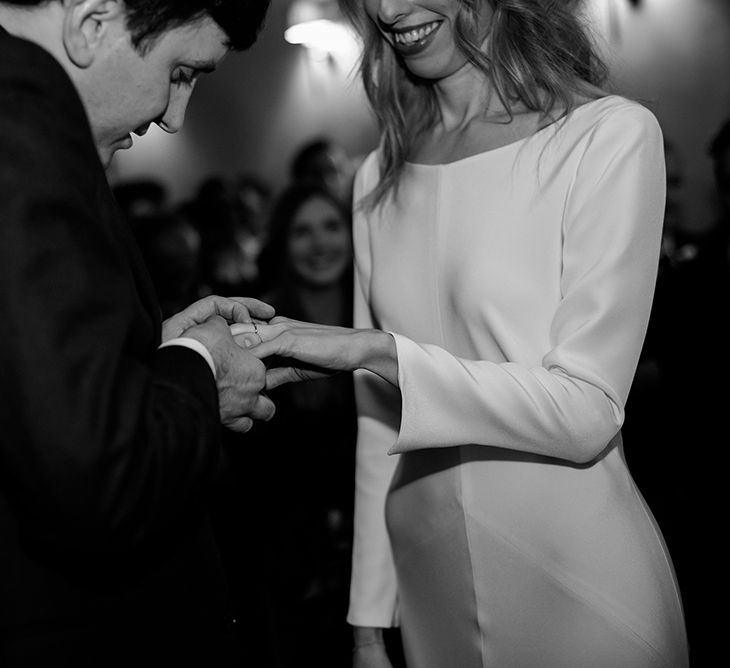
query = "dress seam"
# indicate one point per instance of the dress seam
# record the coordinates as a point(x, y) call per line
point(464, 482)
point(437, 257)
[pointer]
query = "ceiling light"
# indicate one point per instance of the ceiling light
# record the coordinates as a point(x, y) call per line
point(319, 25)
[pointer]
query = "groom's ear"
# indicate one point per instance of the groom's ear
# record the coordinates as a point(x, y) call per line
point(90, 27)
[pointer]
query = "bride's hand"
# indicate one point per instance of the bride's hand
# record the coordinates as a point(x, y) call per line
point(305, 350)
point(297, 350)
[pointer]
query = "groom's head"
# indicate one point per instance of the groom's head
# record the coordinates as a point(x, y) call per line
point(135, 62)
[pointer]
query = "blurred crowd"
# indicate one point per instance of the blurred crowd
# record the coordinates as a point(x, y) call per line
point(285, 522)
point(212, 242)
point(674, 433)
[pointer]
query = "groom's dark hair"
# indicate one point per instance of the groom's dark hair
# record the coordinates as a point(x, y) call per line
point(147, 20)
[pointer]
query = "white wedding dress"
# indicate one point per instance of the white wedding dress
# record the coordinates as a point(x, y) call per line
point(496, 520)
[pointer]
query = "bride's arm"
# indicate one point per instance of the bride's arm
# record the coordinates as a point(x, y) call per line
point(314, 350)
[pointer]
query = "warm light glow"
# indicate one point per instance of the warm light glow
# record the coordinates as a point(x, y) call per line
point(320, 26)
point(322, 35)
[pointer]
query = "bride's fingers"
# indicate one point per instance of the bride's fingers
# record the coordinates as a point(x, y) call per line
point(245, 327)
point(249, 334)
point(239, 328)
point(289, 323)
point(247, 340)
point(280, 319)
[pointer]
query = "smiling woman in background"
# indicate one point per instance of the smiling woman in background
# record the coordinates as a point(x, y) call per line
point(305, 266)
point(507, 234)
point(305, 521)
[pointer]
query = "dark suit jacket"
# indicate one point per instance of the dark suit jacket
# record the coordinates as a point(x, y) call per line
point(108, 446)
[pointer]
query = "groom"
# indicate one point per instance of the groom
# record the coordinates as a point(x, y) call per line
point(109, 419)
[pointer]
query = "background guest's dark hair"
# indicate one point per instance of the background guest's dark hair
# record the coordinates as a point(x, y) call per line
point(241, 20)
point(538, 53)
point(308, 158)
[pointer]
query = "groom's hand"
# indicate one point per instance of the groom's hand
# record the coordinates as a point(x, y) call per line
point(233, 309)
point(240, 376)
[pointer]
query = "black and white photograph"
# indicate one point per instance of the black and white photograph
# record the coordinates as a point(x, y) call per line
point(363, 333)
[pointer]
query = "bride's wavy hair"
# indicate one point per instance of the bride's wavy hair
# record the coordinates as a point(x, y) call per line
point(536, 52)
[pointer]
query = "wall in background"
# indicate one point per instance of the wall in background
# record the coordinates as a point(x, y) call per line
point(673, 55)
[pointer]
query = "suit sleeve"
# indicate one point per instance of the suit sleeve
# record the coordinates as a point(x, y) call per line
point(107, 443)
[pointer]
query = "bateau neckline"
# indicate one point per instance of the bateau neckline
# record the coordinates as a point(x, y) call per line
point(512, 144)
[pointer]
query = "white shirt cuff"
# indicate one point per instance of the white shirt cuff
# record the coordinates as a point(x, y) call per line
point(195, 345)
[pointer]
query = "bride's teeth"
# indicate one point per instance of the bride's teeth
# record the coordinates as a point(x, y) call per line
point(415, 35)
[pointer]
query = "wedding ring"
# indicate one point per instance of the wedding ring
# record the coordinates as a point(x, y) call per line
point(246, 329)
point(256, 331)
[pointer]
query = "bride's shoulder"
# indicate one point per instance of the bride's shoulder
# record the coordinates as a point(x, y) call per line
point(367, 172)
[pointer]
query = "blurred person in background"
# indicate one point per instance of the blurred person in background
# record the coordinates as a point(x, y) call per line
point(170, 246)
point(141, 197)
point(228, 261)
point(110, 417)
point(719, 243)
point(324, 161)
point(692, 332)
point(306, 264)
point(306, 520)
point(673, 248)
point(254, 197)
